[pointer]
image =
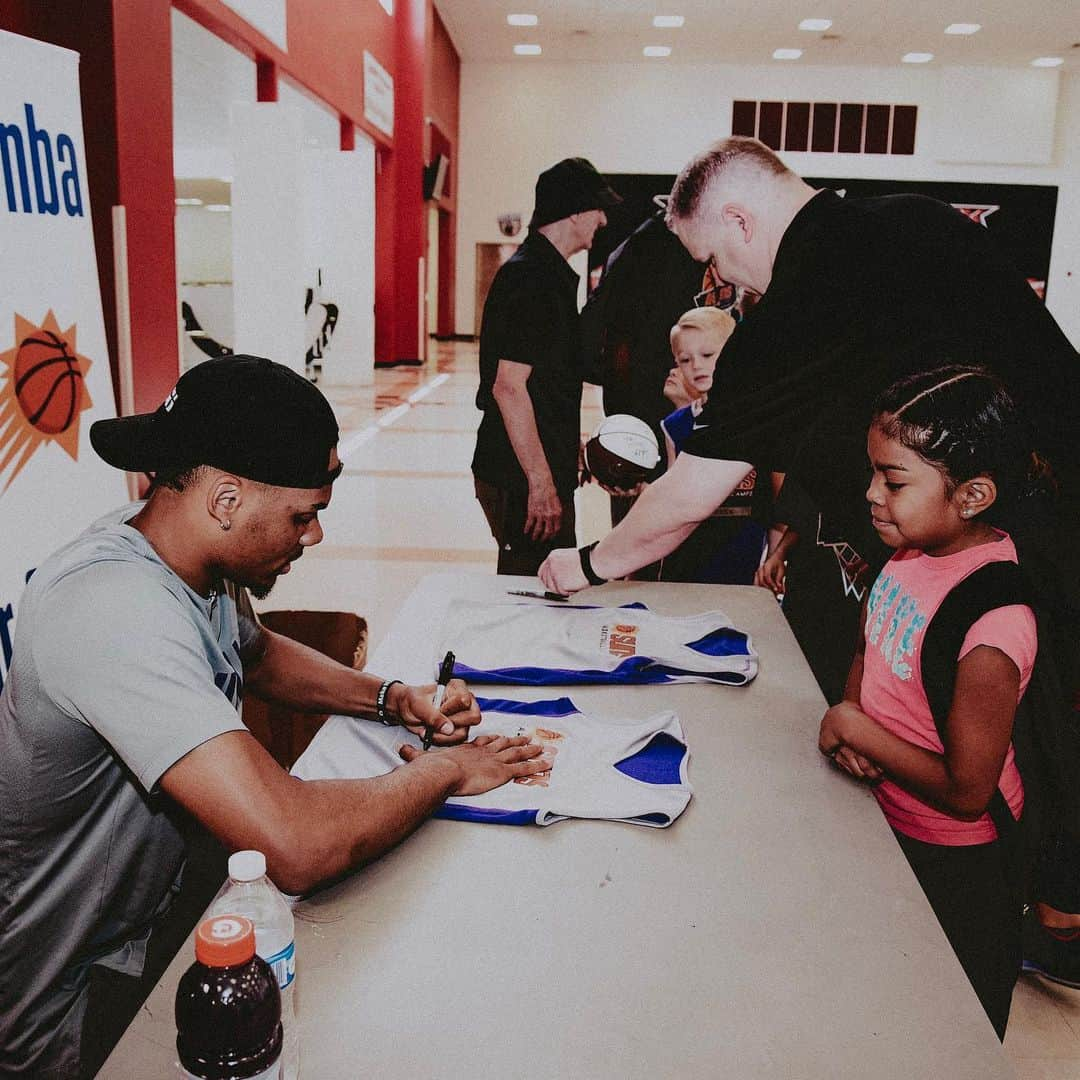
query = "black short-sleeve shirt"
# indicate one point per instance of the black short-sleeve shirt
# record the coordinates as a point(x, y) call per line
point(864, 292)
point(531, 317)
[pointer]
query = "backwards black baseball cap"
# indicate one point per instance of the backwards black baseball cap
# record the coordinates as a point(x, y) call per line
point(245, 414)
point(570, 187)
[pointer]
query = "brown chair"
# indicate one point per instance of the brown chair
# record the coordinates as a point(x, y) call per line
point(341, 635)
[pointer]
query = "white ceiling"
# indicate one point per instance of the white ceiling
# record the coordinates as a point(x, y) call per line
point(864, 32)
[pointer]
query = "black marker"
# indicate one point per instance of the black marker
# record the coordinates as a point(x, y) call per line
point(446, 671)
point(537, 595)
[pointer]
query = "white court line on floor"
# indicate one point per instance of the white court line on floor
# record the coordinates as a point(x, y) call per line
point(365, 434)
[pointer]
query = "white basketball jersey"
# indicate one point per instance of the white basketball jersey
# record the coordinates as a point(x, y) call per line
point(621, 770)
point(565, 644)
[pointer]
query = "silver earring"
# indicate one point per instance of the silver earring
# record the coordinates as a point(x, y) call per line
point(226, 525)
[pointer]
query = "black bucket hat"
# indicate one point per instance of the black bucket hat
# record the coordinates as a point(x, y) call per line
point(571, 187)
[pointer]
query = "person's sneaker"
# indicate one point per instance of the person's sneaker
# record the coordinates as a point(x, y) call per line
point(1053, 954)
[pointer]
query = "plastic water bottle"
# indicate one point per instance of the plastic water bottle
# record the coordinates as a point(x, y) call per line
point(228, 1006)
point(250, 892)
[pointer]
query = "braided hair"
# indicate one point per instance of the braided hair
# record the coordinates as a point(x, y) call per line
point(964, 422)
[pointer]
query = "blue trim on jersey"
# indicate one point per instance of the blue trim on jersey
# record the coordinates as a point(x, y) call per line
point(723, 641)
point(554, 707)
point(633, 671)
point(457, 812)
point(659, 762)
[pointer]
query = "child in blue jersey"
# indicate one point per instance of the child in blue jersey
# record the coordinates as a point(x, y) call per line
point(928, 711)
point(727, 547)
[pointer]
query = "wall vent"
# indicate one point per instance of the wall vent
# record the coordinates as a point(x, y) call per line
point(827, 127)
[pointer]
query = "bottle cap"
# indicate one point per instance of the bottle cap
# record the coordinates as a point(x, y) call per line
point(247, 865)
point(225, 940)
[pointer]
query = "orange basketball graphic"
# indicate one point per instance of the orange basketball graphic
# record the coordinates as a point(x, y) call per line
point(48, 382)
point(43, 392)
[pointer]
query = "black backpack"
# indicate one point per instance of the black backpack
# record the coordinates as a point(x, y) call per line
point(1045, 740)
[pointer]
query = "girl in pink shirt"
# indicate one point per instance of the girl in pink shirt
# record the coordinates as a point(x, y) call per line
point(946, 448)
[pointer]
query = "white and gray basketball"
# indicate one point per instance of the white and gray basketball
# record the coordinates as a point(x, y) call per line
point(622, 452)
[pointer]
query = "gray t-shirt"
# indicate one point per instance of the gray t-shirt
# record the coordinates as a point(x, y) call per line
point(119, 670)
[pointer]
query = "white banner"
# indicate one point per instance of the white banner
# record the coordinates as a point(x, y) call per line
point(54, 364)
point(378, 94)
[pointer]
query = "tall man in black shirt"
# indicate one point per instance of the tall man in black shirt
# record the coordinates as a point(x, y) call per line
point(856, 293)
point(526, 460)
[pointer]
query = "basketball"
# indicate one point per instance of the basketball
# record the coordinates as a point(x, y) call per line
point(622, 452)
point(48, 382)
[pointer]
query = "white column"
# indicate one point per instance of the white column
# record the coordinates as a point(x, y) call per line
point(339, 238)
point(267, 232)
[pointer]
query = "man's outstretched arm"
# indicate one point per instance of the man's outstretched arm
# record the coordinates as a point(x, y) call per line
point(661, 519)
point(314, 831)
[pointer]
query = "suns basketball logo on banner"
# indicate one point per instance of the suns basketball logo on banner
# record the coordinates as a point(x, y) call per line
point(42, 394)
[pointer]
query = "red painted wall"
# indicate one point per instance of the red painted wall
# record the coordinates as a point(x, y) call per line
point(142, 53)
point(443, 97)
point(443, 78)
point(406, 167)
point(126, 80)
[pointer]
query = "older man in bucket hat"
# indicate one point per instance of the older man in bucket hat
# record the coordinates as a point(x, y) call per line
point(526, 460)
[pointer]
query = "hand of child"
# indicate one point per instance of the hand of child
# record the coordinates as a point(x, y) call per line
point(861, 768)
point(772, 573)
point(832, 743)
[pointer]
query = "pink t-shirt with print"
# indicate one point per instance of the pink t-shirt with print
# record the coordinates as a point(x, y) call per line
point(904, 598)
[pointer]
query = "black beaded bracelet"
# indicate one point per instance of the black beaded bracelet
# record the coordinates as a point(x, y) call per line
point(591, 576)
point(380, 703)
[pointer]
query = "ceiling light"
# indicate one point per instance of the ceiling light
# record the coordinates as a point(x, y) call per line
point(917, 58)
point(787, 54)
point(815, 24)
point(189, 202)
point(963, 28)
point(656, 50)
point(527, 50)
point(668, 21)
point(218, 208)
point(1047, 61)
point(522, 20)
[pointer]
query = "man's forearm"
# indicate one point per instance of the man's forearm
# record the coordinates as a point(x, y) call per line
point(350, 823)
point(302, 678)
point(519, 419)
point(647, 533)
point(310, 831)
point(666, 513)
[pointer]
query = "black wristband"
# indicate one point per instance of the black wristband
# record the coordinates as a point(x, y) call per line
point(380, 703)
point(591, 576)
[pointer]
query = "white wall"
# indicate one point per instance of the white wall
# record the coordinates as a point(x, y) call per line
point(203, 244)
point(518, 118)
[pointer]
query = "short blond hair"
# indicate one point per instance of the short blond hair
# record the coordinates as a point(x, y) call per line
point(709, 320)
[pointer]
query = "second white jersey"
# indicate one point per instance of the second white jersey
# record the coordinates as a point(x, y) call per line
point(566, 644)
point(614, 769)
